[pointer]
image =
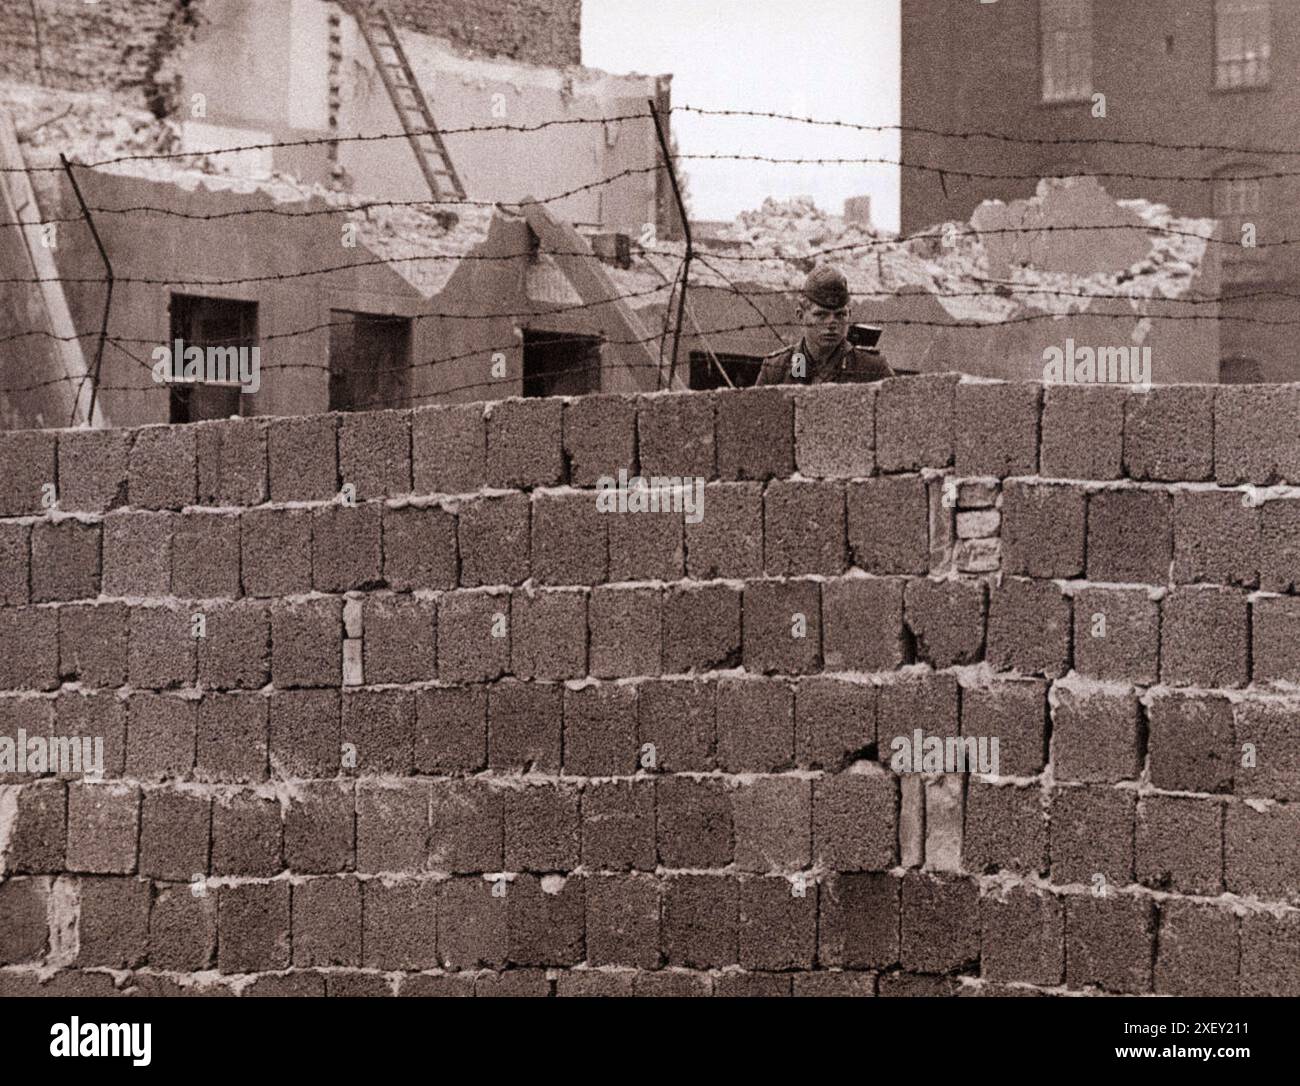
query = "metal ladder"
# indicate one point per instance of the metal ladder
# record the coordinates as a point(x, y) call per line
point(376, 26)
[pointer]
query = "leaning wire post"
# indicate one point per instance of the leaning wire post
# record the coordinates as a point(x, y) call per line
point(686, 229)
point(108, 297)
point(668, 312)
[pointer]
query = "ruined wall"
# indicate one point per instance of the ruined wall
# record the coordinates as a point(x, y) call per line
point(249, 248)
point(275, 246)
point(1145, 56)
point(326, 85)
point(80, 46)
point(986, 297)
point(470, 735)
point(72, 45)
point(609, 164)
point(23, 309)
point(545, 32)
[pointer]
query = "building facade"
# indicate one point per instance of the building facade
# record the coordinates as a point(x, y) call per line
point(382, 297)
point(1189, 105)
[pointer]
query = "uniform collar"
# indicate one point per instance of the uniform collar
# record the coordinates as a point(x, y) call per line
point(832, 360)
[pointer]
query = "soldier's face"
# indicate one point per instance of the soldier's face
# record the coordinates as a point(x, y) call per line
point(823, 327)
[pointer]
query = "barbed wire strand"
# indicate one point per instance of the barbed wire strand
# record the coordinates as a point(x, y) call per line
point(521, 129)
point(921, 289)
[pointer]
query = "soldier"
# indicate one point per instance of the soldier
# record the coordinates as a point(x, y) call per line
point(824, 353)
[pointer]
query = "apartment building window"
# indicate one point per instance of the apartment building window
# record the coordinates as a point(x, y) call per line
point(1067, 49)
point(1238, 200)
point(1243, 43)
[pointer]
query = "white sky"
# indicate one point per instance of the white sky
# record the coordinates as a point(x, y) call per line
point(828, 59)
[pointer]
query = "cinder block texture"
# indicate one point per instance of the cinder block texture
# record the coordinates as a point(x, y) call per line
point(914, 423)
point(1279, 546)
point(448, 449)
point(232, 462)
point(1117, 634)
point(1042, 530)
point(457, 730)
point(1256, 439)
point(996, 428)
point(523, 443)
point(1082, 432)
point(834, 432)
point(1169, 434)
point(1130, 536)
point(93, 467)
point(755, 433)
point(302, 458)
point(888, 525)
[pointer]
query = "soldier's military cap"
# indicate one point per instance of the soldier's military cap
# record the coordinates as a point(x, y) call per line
point(827, 287)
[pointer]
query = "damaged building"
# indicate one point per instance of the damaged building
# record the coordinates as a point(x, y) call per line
point(423, 209)
point(986, 296)
point(377, 235)
point(1187, 105)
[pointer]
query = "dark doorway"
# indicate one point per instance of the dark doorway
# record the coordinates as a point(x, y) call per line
point(370, 361)
point(560, 363)
point(741, 368)
point(206, 323)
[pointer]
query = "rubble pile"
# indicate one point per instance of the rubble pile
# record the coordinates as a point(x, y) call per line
point(1051, 252)
point(85, 127)
point(94, 128)
point(1009, 259)
point(794, 230)
point(405, 235)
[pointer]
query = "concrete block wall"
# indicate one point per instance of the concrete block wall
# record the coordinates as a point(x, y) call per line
point(471, 736)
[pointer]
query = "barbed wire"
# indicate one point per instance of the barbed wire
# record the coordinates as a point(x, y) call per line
point(991, 135)
point(486, 353)
point(480, 352)
point(941, 232)
point(928, 234)
point(321, 141)
point(917, 292)
point(957, 172)
point(412, 399)
point(1010, 288)
point(486, 315)
point(1003, 289)
point(978, 175)
point(541, 126)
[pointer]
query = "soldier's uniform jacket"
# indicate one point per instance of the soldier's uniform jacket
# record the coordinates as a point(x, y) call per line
point(846, 363)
